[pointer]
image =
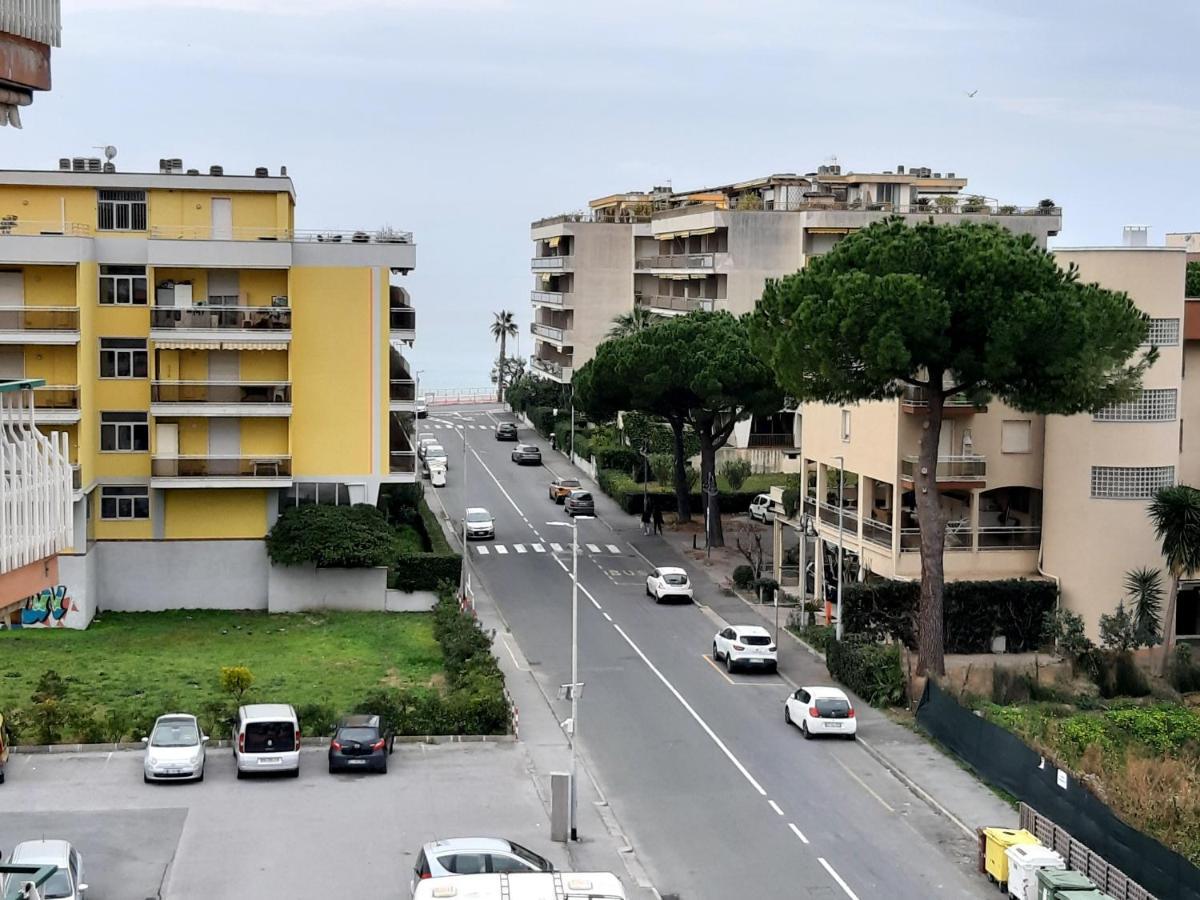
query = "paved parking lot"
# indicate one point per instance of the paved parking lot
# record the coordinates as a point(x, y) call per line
point(317, 836)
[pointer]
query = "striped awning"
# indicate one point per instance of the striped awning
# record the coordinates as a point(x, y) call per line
point(254, 345)
point(187, 345)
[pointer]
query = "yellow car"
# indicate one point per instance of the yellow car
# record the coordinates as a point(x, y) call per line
point(560, 488)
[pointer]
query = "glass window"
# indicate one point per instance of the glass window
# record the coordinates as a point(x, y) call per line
point(123, 358)
point(124, 502)
point(122, 211)
point(845, 424)
point(124, 433)
point(1163, 332)
point(501, 863)
point(270, 737)
point(123, 285)
point(466, 863)
point(1151, 405)
point(832, 707)
point(755, 640)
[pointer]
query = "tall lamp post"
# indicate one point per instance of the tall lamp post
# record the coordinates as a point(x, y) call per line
point(462, 575)
point(841, 552)
point(574, 688)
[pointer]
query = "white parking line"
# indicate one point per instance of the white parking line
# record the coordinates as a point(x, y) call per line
point(838, 878)
point(775, 806)
point(538, 548)
point(557, 548)
point(797, 832)
point(613, 548)
point(593, 548)
point(501, 549)
point(520, 548)
point(482, 551)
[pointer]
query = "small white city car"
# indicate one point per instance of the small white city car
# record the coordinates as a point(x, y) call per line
point(821, 710)
point(437, 475)
point(480, 524)
point(747, 646)
point(266, 738)
point(174, 749)
point(668, 583)
point(67, 881)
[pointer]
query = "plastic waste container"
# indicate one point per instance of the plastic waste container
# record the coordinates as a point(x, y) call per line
point(1055, 884)
point(1024, 860)
point(1083, 895)
point(999, 840)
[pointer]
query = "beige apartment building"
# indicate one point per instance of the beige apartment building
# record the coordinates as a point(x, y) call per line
point(1028, 496)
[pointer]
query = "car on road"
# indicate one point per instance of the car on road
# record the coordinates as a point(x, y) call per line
point(560, 488)
point(506, 431)
point(67, 881)
point(4, 742)
point(435, 455)
point(479, 524)
point(745, 645)
point(761, 508)
point(175, 749)
point(360, 742)
point(424, 441)
point(669, 583)
point(527, 453)
point(266, 738)
point(580, 503)
point(821, 710)
point(422, 408)
point(474, 856)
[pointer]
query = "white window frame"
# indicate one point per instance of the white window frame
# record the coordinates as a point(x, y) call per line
point(127, 211)
point(1151, 405)
point(124, 430)
point(124, 498)
point(129, 354)
point(1129, 482)
point(845, 426)
point(129, 279)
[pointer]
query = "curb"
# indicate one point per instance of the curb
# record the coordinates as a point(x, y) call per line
point(44, 749)
point(882, 759)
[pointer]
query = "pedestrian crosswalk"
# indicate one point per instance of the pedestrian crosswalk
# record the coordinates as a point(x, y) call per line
point(455, 426)
point(552, 548)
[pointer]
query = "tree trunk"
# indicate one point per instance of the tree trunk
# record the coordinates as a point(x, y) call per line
point(683, 500)
point(930, 640)
point(500, 379)
point(708, 473)
point(1168, 626)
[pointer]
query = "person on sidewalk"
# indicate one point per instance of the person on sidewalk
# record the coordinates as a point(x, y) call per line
point(658, 519)
point(646, 519)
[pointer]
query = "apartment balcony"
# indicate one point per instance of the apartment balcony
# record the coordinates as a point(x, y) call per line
point(673, 306)
point(76, 477)
point(270, 399)
point(402, 462)
point(676, 262)
point(402, 395)
point(952, 471)
point(784, 440)
point(809, 507)
point(51, 242)
point(39, 324)
point(960, 537)
point(551, 263)
point(551, 333)
point(56, 404)
point(915, 400)
point(209, 327)
point(828, 513)
point(205, 246)
point(268, 471)
point(402, 322)
point(878, 533)
point(548, 298)
point(548, 368)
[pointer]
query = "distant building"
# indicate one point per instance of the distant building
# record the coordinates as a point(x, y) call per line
point(28, 29)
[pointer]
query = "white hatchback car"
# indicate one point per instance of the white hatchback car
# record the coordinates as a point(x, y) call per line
point(174, 749)
point(668, 583)
point(745, 645)
point(821, 710)
point(67, 881)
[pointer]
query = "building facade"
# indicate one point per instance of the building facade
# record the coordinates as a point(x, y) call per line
point(207, 361)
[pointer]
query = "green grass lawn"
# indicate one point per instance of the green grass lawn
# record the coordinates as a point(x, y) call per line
point(139, 664)
point(407, 539)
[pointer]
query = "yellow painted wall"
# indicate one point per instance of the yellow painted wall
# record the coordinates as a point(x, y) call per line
point(331, 372)
point(265, 437)
point(123, 530)
point(49, 285)
point(263, 365)
point(215, 513)
point(53, 362)
point(258, 286)
point(44, 204)
point(193, 436)
point(255, 211)
point(87, 290)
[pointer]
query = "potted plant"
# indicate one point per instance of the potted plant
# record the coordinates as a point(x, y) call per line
point(1046, 207)
point(945, 204)
point(1007, 210)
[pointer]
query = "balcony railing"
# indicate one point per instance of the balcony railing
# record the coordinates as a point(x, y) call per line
point(877, 532)
point(54, 228)
point(949, 468)
point(221, 318)
point(248, 467)
point(551, 368)
point(34, 20)
point(675, 304)
point(676, 261)
point(250, 392)
point(958, 537)
point(402, 462)
point(39, 318)
point(550, 263)
point(1016, 537)
point(953, 206)
point(550, 332)
point(56, 396)
point(553, 298)
point(829, 515)
point(402, 389)
point(764, 439)
point(402, 318)
point(918, 398)
point(271, 233)
point(809, 506)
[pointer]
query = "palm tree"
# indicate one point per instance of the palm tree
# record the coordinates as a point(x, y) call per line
point(1175, 513)
point(632, 322)
point(503, 327)
point(1143, 587)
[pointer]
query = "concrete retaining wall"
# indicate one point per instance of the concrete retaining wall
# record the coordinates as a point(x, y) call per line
point(147, 576)
point(296, 588)
point(409, 601)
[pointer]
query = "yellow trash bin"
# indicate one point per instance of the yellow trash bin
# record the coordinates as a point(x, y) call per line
point(998, 840)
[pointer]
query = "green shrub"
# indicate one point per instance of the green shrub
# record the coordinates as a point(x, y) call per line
point(791, 496)
point(48, 717)
point(1079, 732)
point(628, 493)
point(869, 669)
point(818, 637)
point(641, 428)
point(317, 719)
point(235, 681)
point(1128, 679)
point(736, 471)
point(423, 571)
point(1167, 728)
point(622, 459)
point(343, 537)
point(743, 577)
point(432, 530)
point(1184, 674)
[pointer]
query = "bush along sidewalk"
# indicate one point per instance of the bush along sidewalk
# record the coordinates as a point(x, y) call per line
point(426, 570)
point(869, 669)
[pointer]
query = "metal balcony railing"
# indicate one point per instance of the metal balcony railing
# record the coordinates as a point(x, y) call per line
point(249, 392)
point(402, 462)
point(809, 506)
point(676, 261)
point(918, 397)
point(877, 532)
point(768, 439)
point(1010, 537)
point(217, 466)
point(15, 225)
point(949, 468)
point(56, 396)
point(402, 318)
point(221, 318)
point(272, 233)
point(550, 367)
point(39, 318)
point(675, 304)
point(553, 298)
point(829, 515)
point(549, 263)
point(548, 331)
point(402, 389)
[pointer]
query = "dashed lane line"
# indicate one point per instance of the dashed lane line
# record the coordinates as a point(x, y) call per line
point(796, 831)
point(838, 878)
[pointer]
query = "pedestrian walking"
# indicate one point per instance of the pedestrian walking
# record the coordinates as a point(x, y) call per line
point(646, 520)
point(658, 519)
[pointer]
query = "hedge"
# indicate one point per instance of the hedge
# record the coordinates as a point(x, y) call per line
point(342, 537)
point(870, 669)
point(425, 571)
point(628, 495)
point(974, 612)
point(639, 427)
point(621, 459)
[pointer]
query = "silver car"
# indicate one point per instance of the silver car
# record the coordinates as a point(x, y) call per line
point(67, 881)
point(474, 856)
point(479, 523)
point(174, 749)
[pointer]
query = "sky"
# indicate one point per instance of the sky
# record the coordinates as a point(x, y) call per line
point(464, 120)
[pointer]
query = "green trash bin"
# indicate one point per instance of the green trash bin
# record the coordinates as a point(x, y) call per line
point(1083, 895)
point(1057, 884)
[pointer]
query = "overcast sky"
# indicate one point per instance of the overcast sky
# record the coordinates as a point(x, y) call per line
point(463, 120)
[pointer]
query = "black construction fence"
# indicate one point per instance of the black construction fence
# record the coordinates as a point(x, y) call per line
point(1006, 762)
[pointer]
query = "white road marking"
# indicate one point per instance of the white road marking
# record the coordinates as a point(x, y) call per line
point(507, 496)
point(797, 832)
point(607, 616)
point(538, 548)
point(838, 878)
point(501, 549)
point(520, 548)
point(613, 548)
point(557, 548)
point(774, 805)
point(695, 715)
point(482, 551)
point(511, 655)
point(593, 548)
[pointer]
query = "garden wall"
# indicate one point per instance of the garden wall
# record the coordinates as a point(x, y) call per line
point(147, 576)
point(298, 588)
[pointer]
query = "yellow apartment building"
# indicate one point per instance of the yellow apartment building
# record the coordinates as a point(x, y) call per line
point(208, 363)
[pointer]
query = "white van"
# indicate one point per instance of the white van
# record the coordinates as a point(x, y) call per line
point(762, 509)
point(523, 886)
point(266, 738)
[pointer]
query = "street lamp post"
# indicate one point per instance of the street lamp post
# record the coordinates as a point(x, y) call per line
point(462, 574)
point(841, 552)
point(575, 686)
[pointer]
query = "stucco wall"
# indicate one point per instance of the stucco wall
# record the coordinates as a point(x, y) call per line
point(296, 588)
point(143, 576)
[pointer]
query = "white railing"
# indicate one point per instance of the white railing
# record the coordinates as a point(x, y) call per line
point(552, 298)
point(15, 225)
point(35, 486)
point(675, 304)
point(272, 233)
point(545, 263)
point(549, 332)
point(460, 395)
point(36, 20)
point(949, 468)
point(675, 261)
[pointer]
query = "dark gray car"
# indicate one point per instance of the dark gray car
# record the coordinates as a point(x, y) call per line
point(580, 503)
point(360, 742)
point(506, 431)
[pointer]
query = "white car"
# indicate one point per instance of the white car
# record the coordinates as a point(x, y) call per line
point(745, 645)
point(821, 710)
point(668, 583)
point(174, 749)
point(435, 455)
point(437, 475)
point(760, 508)
point(479, 523)
point(67, 881)
point(423, 442)
point(422, 407)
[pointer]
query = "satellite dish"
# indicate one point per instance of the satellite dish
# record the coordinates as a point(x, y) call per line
point(110, 151)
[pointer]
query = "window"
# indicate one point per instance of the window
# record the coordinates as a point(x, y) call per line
point(123, 285)
point(1130, 483)
point(1163, 333)
point(1015, 435)
point(119, 502)
point(885, 193)
point(122, 210)
point(305, 492)
point(122, 358)
point(124, 432)
point(1152, 405)
point(845, 424)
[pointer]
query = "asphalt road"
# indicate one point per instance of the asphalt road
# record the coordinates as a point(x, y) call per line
point(720, 797)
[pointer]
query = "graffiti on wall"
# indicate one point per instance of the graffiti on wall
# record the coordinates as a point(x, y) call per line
point(48, 608)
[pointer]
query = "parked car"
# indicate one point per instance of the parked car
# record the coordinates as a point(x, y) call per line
point(560, 488)
point(424, 441)
point(67, 881)
point(435, 455)
point(524, 885)
point(480, 523)
point(422, 408)
point(266, 738)
point(437, 475)
point(580, 503)
point(762, 509)
point(526, 453)
point(360, 742)
point(821, 710)
point(506, 431)
point(4, 743)
point(175, 749)
point(668, 583)
point(745, 645)
point(473, 856)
